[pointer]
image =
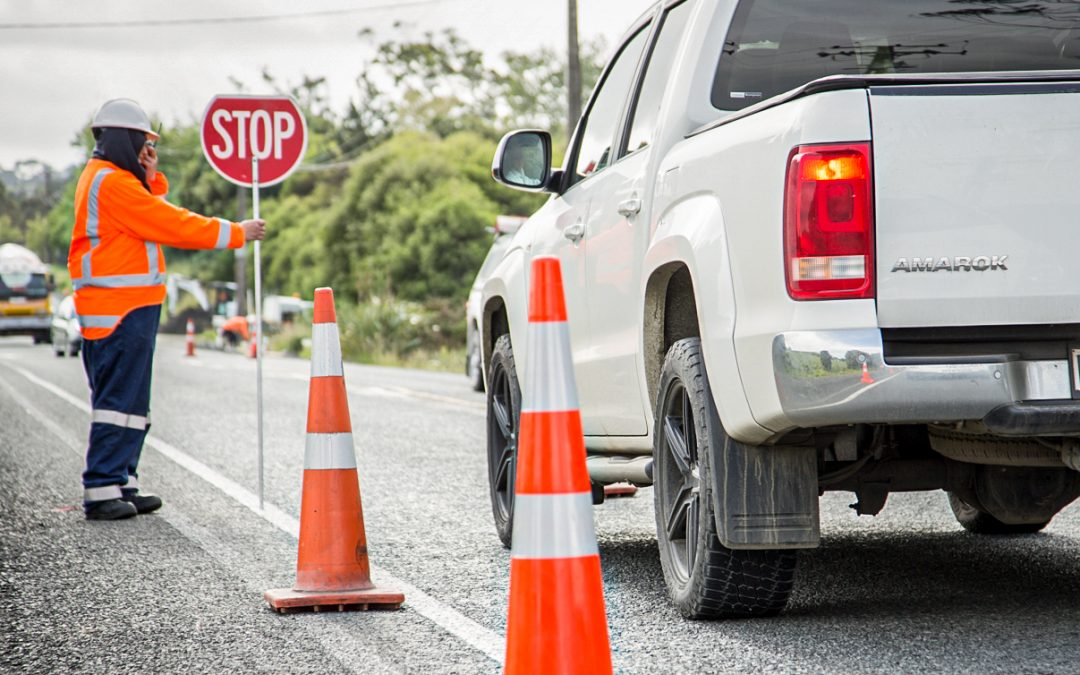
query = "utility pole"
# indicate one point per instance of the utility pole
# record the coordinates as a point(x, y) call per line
point(241, 255)
point(573, 74)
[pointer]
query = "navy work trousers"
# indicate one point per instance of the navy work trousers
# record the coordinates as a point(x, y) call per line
point(118, 367)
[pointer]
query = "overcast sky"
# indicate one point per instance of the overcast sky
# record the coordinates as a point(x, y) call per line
point(54, 78)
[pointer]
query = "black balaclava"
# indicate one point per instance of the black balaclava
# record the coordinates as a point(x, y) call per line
point(122, 148)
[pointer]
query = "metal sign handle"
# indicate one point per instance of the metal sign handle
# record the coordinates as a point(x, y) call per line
point(258, 321)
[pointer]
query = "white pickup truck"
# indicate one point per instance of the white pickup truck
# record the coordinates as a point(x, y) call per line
point(811, 245)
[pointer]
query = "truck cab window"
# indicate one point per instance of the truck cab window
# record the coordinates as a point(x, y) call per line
point(594, 149)
point(774, 46)
point(657, 75)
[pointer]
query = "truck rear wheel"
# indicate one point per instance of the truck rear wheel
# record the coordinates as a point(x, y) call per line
point(978, 521)
point(705, 579)
point(503, 415)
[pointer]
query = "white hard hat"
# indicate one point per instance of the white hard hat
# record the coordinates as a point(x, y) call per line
point(125, 114)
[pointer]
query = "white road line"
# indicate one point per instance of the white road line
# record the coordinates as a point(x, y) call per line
point(449, 619)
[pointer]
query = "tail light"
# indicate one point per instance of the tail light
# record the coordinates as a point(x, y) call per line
point(829, 222)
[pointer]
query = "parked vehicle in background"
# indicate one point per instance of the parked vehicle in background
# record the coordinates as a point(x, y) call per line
point(802, 252)
point(25, 308)
point(65, 335)
point(504, 229)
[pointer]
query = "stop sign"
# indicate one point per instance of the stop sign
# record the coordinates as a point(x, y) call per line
point(237, 129)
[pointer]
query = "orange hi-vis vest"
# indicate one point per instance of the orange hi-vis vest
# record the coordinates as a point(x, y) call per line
point(115, 259)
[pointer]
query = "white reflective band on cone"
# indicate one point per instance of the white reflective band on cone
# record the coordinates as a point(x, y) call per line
point(100, 494)
point(329, 451)
point(554, 526)
point(325, 350)
point(119, 419)
point(549, 377)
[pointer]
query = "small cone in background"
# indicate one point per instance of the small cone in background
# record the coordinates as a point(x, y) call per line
point(189, 340)
point(253, 346)
point(866, 379)
point(332, 568)
point(556, 622)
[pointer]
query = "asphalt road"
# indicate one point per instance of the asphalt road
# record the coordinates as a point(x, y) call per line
point(181, 591)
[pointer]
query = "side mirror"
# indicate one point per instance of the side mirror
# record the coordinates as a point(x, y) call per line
point(523, 160)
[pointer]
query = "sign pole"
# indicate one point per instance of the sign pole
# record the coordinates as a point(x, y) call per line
point(258, 321)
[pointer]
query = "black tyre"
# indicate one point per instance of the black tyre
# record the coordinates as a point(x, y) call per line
point(503, 415)
point(58, 349)
point(472, 360)
point(974, 519)
point(704, 578)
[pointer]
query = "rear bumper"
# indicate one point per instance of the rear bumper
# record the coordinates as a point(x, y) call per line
point(821, 381)
point(23, 325)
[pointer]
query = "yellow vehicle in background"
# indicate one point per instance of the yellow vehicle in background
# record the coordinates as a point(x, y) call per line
point(24, 294)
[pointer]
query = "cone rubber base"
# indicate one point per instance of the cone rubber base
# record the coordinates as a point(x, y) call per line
point(288, 600)
point(620, 490)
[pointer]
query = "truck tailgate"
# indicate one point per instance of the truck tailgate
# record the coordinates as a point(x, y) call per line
point(977, 200)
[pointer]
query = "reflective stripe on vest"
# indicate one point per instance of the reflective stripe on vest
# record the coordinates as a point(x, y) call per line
point(224, 233)
point(92, 220)
point(119, 419)
point(100, 494)
point(97, 320)
point(152, 278)
point(121, 280)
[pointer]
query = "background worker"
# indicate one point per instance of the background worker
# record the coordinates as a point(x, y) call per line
point(118, 273)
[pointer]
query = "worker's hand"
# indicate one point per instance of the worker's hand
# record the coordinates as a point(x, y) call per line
point(254, 229)
point(148, 160)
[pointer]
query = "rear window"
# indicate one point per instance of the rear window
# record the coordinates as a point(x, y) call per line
point(777, 45)
point(22, 284)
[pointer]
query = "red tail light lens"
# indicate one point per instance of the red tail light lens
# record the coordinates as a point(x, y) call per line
point(829, 222)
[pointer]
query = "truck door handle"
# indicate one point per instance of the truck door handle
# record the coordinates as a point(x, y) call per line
point(575, 232)
point(629, 207)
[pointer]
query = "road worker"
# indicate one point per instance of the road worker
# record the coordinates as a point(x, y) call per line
point(118, 273)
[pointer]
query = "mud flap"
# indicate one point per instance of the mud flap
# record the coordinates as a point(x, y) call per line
point(765, 497)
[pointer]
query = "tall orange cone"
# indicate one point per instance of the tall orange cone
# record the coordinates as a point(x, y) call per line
point(332, 567)
point(189, 340)
point(253, 346)
point(556, 622)
point(866, 379)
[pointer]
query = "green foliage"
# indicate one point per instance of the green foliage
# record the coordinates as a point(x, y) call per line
point(412, 216)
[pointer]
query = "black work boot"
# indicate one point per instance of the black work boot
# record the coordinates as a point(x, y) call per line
point(109, 509)
point(143, 503)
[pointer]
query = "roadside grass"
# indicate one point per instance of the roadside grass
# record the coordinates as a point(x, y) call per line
point(429, 336)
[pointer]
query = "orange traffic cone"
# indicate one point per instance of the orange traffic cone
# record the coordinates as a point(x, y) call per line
point(866, 379)
point(189, 340)
point(556, 622)
point(253, 346)
point(332, 567)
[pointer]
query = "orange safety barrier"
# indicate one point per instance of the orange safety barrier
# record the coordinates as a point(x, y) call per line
point(332, 568)
point(557, 621)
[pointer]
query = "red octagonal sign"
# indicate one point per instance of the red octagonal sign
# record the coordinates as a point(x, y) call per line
point(237, 129)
